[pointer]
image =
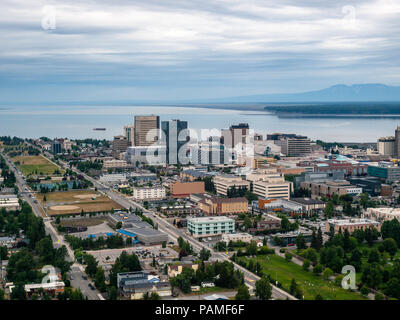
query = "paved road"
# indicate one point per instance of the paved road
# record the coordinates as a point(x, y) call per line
point(77, 281)
point(58, 241)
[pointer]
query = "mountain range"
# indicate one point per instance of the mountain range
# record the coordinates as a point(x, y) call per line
point(373, 92)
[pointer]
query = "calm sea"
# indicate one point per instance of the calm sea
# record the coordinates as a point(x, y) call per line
point(79, 121)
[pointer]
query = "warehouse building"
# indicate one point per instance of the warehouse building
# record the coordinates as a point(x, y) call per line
point(134, 227)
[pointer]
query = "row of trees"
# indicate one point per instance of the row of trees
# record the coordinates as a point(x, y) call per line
point(110, 242)
point(7, 174)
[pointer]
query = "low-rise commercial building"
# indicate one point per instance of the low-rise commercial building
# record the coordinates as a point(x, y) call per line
point(193, 175)
point(382, 214)
point(223, 183)
point(310, 205)
point(185, 189)
point(351, 224)
point(330, 188)
point(114, 178)
point(289, 238)
point(371, 185)
point(9, 202)
point(176, 269)
point(113, 164)
point(135, 228)
point(273, 187)
point(234, 237)
point(385, 170)
point(134, 285)
point(148, 193)
point(220, 206)
point(319, 177)
point(51, 287)
point(153, 155)
point(210, 226)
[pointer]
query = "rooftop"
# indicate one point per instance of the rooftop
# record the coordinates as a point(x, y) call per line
point(344, 222)
point(210, 219)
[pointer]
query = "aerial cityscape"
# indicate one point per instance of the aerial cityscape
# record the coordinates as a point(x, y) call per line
point(186, 165)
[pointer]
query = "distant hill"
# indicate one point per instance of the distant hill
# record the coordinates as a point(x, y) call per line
point(373, 92)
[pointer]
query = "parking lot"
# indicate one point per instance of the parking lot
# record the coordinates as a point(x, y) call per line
point(107, 257)
point(98, 229)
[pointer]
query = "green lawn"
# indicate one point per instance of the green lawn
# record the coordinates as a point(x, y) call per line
point(311, 284)
point(36, 165)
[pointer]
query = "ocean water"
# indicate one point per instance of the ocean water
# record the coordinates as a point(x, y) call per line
point(79, 121)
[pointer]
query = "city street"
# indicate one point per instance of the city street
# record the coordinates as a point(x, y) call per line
point(58, 241)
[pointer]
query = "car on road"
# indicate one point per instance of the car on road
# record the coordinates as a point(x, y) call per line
point(71, 277)
point(91, 286)
point(84, 276)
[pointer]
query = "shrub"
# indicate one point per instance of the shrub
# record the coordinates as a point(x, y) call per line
point(306, 265)
point(317, 269)
point(288, 256)
point(364, 290)
point(327, 273)
point(379, 296)
point(338, 280)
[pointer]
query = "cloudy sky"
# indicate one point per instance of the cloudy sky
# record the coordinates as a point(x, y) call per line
point(82, 50)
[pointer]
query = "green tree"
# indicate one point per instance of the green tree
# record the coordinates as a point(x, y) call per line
point(18, 292)
point(390, 246)
point(100, 280)
point(112, 293)
point(204, 254)
point(329, 209)
point(393, 288)
point(364, 290)
point(327, 273)
point(301, 242)
point(293, 287)
point(317, 269)
point(374, 256)
point(91, 265)
point(242, 293)
point(306, 265)
point(263, 289)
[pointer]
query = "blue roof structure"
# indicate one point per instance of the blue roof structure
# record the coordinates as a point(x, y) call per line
point(127, 233)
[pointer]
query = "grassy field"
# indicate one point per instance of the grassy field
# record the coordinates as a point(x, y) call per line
point(77, 200)
point(310, 284)
point(36, 165)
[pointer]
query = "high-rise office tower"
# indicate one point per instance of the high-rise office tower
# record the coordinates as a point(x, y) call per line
point(146, 130)
point(397, 137)
point(296, 146)
point(119, 145)
point(173, 142)
point(234, 140)
point(130, 134)
point(235, 134)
